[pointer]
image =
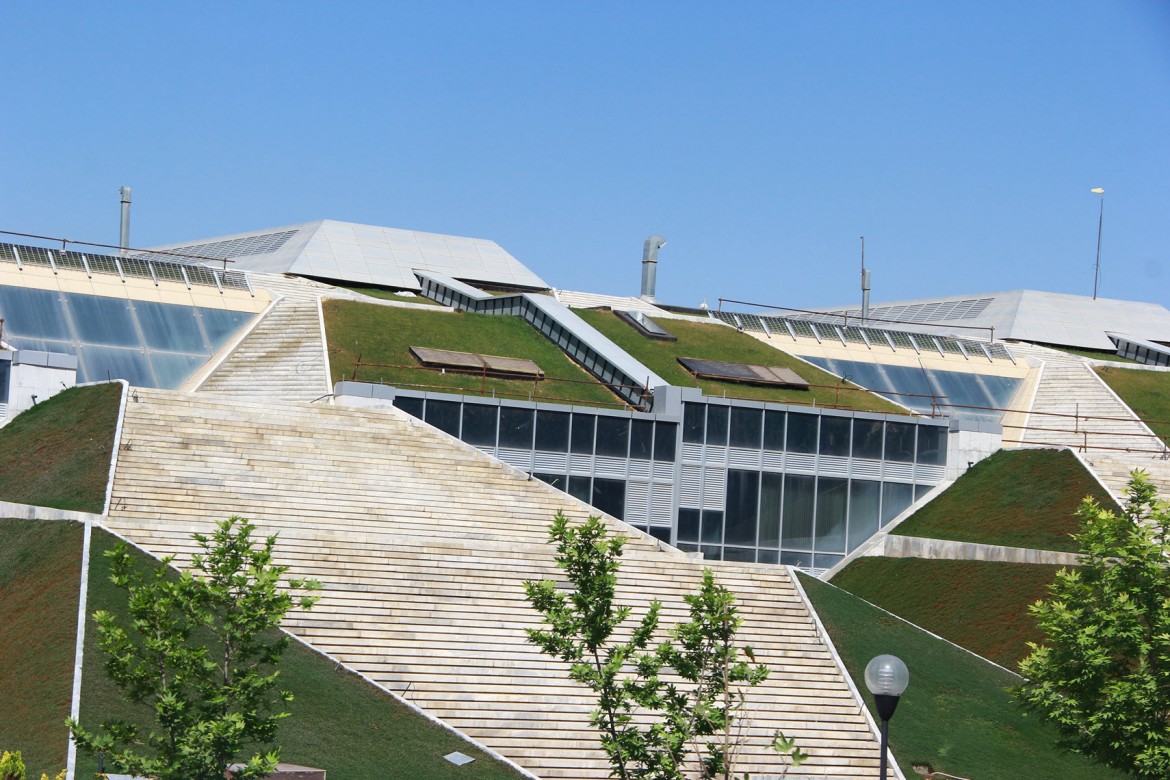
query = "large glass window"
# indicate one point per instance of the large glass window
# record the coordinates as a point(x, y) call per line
point(716, 425)
point(409, 404)
point(932, 445)
point(613, 436)
point(581, 488)
point(712, 532)
point(802, 432)
point(444, 415)
point(771, 490)
point(694, 423)
point(104, 321)
point(832, 502)
point(774, 430)
point(746, 425)
point(641, 439)
point(835, 435)
point(609, 495)
point(797, 522)
point(867, 439)
point(172, 328)
point(582, 439)
point(516, 427)
point(688, 525)
point(900, 441)
point(664, 441)
point(552, 431)
point(896, 498)
point(743, 496)
point(479, 424)
point(33, 314)
point(865, 497)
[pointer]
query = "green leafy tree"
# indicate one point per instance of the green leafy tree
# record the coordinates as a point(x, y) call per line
point(201, 654)
point(1102, 676)
point(627, 676)
point(12, 765)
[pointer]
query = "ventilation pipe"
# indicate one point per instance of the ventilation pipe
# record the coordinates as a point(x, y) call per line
point(864, 285)
point(124, 236)
point(650, 265)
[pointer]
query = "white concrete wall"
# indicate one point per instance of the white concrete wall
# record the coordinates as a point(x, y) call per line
point(39, 379)
point(966, 448)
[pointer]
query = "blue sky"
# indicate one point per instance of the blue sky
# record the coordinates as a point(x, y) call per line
point(761, 139)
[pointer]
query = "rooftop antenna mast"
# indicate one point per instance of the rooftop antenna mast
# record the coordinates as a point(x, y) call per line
point(864, 285)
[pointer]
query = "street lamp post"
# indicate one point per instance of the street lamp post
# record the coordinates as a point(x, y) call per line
point(886, 677)
point(1100, 224)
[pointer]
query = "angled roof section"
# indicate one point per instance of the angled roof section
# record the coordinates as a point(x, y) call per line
point(1020, 315)
point(363, 254)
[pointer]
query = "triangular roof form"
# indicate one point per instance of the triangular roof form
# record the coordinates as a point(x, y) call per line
point(363, 254)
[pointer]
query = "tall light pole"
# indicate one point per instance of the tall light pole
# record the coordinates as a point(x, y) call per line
point(1100, 224)
point(886, 676)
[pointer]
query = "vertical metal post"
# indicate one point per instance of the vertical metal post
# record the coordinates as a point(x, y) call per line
point(124, 233)
point(1100, 224)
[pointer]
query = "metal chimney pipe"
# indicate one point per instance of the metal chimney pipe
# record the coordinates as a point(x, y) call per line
point(650, 266)
point(124, 237)
point(864, 296)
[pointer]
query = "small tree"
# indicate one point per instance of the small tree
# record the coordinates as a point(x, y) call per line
point(201, 656)
point(1103, 674)
point(626, 675)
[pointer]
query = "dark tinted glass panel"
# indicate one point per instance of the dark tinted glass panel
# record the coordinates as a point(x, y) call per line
point(664, 440)
point(835, 435)
point(479, 424)
point(743, 495)
point(102, 363)
point(33, 313)
point(685, 547)
point(832, 500)
point(771, 489)
point(922, 490)
point(717, 425)
point(581, 488)
point(712, 552)
point(802, 432)
point(688, 525)
point(582, 440)
point(556, 480)
point(694, 423)
point(641, 439)
point(900, 441)
point(444, 415)
point(896, 497)
point(774, 430)
point(171, 328)
point(5, 365)
point(104, 321)
point(552, 431)
point(516, 427)
point(660, 533)
point(932, 445)
point(800, 559)
point(172, 369)
point(797, 522)
point(740, 554)
point(746, 425)
point(864, 511)
point(821, 561)
point(609, 495)
point(867, 439)
point(410, 405)
point(767, 556)
point(613, 436)
point(712, 526)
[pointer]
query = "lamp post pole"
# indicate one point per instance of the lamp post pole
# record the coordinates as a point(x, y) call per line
point(1100, 225)
point(886, 676)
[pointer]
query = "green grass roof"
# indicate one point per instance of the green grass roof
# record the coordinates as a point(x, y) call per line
point(385, 334)
point(957, 715)
point(718, 342)
point(1147, 393)
point(1017, 498)
point(57, 453)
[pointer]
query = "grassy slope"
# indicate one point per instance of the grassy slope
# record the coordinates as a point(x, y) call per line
point(57, 453)
point(1147, 393)
point(957, 715)
point(980, 605)
point(40, 568)
point(1018, 498)
point(384, 334)
point(339, 722)
point(715, 342)
point(388, 295)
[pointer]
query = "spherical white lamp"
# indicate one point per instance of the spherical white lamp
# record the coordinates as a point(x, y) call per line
point(886, 676)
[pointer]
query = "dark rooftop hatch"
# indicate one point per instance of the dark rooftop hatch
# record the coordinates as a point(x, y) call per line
point(773, 376)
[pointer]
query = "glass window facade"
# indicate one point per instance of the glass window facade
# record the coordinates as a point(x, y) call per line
point(147, 343)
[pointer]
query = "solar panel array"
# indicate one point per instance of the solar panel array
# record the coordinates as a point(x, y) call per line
point(263, 244)
point(137, 267)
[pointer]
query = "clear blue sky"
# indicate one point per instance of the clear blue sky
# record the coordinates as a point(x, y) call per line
point(762, 139)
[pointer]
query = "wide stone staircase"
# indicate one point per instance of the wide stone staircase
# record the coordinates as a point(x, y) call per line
point(1074, 408)
point(423, 543)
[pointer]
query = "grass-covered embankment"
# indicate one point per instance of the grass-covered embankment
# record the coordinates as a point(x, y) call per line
point(385, 334)
point(40, 577)
point(57, 454)
point(980, 605)
point(1147, 393)
point(717, 342)
point(957, 715)
point(339, 722)
point(1016, 498)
